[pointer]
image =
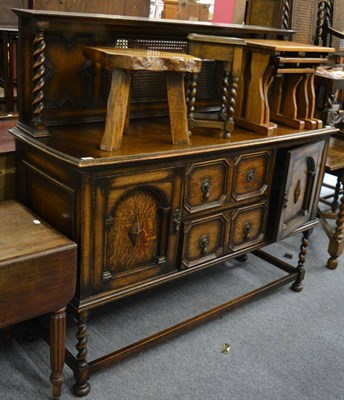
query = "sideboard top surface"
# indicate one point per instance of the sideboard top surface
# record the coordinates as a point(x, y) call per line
point(149, 139)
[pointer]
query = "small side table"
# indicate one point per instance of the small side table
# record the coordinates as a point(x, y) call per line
point(277, 85)
point(37, 276)
point(228, 51)
point(122, 63)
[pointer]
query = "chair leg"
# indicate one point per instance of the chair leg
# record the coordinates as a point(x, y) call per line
point(336, 245)
point(335, 202)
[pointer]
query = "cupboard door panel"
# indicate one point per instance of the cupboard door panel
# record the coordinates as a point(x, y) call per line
point(135, 232)
point(303, 166)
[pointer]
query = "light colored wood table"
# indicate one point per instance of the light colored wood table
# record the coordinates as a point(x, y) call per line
point(228, 51)
point(277, 85)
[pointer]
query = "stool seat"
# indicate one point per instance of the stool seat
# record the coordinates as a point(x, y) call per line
point(229, 52)
point(123, 62)
point(142, 59)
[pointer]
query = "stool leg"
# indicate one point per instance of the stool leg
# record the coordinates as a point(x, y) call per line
point(257, 106)
point(57, 350)
point(117, 107)
point(289, 102)
point(335, 203)
point(177, 107)
point(275, 97)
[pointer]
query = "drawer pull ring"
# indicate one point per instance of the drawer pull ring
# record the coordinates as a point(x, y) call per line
point(205, 187)
point(176, 219)
point(204, 243)
point(251, 175)
point(247, 230)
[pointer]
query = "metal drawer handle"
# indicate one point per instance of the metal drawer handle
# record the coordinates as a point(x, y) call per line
point(205, 188)
point(247, 230)
point(177, 219)
point(251, 175)
point(204, 243)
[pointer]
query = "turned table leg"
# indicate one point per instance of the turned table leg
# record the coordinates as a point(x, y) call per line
point(336, 245)
point(297, 286)
point(231, 99)
point(81, 374)
point(57, 334)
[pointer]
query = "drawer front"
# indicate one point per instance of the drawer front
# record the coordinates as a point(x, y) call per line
point(206, 185)
point(248, 226)
point(204, 240)
point(252, 175)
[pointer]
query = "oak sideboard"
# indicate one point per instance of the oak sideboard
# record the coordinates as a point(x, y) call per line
point(150, 212)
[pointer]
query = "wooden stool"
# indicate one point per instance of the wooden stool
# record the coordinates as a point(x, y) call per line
point(290, 66)
point(122, 62)
point(229, 51)
point(37, 276)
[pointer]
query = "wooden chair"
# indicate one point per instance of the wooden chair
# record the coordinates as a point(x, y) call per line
point(37, 276)
point(330, 86)
point(122, 63)
point(334, 166)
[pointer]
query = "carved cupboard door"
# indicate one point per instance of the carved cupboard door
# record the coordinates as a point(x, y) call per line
point(137, 227)
point(303, 166)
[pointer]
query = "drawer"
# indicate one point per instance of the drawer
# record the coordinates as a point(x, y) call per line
point(251, 175)
point(248, 226)
point(206, 185)
point(204, 240)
